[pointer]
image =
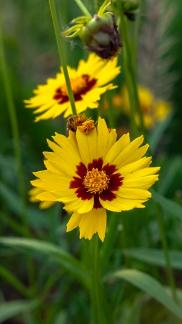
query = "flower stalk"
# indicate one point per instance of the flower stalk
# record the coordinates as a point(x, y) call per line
point(130, 73)
point(96, 284)
point(61, 52)
point(82, 7)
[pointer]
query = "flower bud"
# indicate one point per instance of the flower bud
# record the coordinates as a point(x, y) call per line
point(101, 35)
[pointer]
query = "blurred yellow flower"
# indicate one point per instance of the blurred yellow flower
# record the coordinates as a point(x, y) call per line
point(35, 192)
point(154, 110)
point(91, 172)
point(89, 81)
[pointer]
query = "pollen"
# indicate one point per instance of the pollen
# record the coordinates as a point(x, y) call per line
point(96, 181)
point(80, 121)
point(87, 126)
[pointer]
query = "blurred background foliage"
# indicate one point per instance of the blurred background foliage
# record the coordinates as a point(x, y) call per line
point(31, 54)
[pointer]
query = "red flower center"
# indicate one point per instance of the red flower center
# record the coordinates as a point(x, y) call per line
point(80, 86)
point(96, 181)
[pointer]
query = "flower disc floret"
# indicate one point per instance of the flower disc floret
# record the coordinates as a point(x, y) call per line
point(96, 181)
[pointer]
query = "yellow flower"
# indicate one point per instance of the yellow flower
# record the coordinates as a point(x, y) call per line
point(35, 192)
point(154, 110)
point(88, 82)
point(93, 172)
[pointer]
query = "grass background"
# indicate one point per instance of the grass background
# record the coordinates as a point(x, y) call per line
point(31, 54)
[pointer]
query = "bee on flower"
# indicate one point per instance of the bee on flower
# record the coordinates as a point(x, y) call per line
point(92, 172)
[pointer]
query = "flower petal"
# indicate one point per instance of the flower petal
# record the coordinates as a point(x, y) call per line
point(79, 205)
point(106, 138)
point(121, 204)
point(89, 223)
point(117, 148)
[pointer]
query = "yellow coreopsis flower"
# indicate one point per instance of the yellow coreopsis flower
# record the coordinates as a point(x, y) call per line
point(89, 81)
point(153, 110)
point(91, 172)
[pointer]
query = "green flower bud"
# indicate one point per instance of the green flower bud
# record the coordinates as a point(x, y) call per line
point(101, 36)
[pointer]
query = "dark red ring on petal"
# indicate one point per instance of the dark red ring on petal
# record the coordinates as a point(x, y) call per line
point(61, 96)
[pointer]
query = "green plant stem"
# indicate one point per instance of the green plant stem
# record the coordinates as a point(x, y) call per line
point(13, 120)
point(169, 270)
point(82, 7)
point(61, 52)
point(96, 284)
point(130, 73)
point(110, 239)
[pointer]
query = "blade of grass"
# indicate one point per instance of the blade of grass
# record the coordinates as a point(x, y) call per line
point(13, 121)
point(12, 309)
point(155, 257)
point(149, 285)
point(158, 132)
point(64, 258)
point(169, 206)
point(13, 281)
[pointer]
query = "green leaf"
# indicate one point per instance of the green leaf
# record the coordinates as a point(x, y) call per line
point(174, 165)
point(64, 258)
point(156, 257)
point(158, 133)
point(14, 204)
point(169, 206)
point(12, 280)
point(61, 318)
point(150, 286)
point(11, 309)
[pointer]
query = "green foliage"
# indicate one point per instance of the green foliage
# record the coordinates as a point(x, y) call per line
point(64, 258)
point(15, 308)
point(45, 273)
point(150, 286)
point(155, 257)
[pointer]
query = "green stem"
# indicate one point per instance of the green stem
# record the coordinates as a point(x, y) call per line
point(130, 73)
point(13, 120)
point(96, 284)
point(109, 240)
point(61, 52)
point(83, 8)
point(169, 270)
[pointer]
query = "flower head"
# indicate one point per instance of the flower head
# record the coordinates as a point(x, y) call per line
point(89, 81)
point(99, 33)
point(94, 172)
point(153, 109)
point(101, 36)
